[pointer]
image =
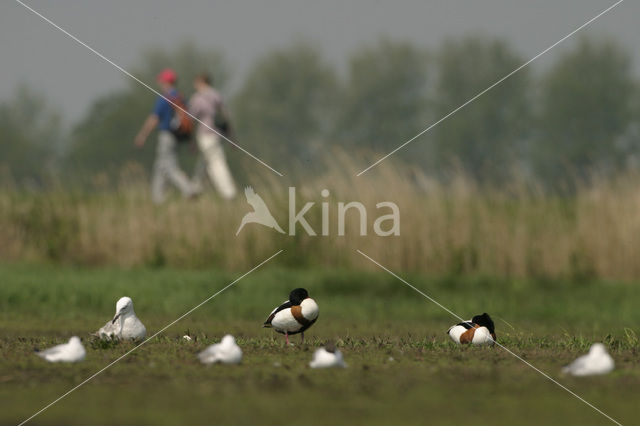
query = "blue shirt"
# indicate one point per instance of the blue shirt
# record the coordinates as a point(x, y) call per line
point(164, 110)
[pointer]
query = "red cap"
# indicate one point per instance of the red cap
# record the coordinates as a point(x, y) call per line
point(167, 76)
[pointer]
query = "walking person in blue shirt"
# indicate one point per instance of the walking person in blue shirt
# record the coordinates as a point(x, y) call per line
point(166, 166)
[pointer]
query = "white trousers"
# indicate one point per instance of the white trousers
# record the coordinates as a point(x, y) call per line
point(212, 163)
point(166, 169)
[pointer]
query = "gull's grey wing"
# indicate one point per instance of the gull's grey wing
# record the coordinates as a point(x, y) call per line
point(110, 329)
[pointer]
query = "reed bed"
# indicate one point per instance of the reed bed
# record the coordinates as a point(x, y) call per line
point(453, 228)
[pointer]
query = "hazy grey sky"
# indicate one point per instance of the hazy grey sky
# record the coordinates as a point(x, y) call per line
point(33, 52)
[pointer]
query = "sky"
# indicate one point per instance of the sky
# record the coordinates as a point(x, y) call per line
point(33, 52)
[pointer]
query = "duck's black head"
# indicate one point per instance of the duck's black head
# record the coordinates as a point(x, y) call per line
point(484, 320)
point(297, 296)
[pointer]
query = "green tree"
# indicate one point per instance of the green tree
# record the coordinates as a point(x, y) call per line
point(586, 109)
point(284, 109)
point(30, 136)
point(103, 139)
point(486, 136)
point(384, 100)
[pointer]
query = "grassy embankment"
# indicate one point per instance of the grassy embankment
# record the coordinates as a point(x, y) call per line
point(402, 368)
point(556, 273)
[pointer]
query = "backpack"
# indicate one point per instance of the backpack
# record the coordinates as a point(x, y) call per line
point(221, 123)
point(181, 123)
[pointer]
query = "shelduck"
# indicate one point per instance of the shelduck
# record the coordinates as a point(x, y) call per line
point(479, 330)
point(295, 315)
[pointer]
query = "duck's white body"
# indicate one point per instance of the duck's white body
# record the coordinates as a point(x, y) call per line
point(455, 332)
point(472, 333)
point(295, 315)
point(597, 361)
point(322, 358)
point(225, 352)
point(125, 324)
point(296, 318)
point(73, 351)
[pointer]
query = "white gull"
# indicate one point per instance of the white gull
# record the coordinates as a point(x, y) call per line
point(73, 351)
point(125, 324)
point(328, 356)
point(597, 361)
point(225, 352)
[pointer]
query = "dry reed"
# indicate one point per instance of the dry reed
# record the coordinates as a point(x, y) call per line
point(453, 228)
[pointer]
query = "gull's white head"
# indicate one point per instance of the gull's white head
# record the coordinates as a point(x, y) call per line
point(124, 306)
point(228, 340)
point(597, 349)
point(75, 340)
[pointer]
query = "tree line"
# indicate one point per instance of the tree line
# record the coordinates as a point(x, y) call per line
point(576, 118)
